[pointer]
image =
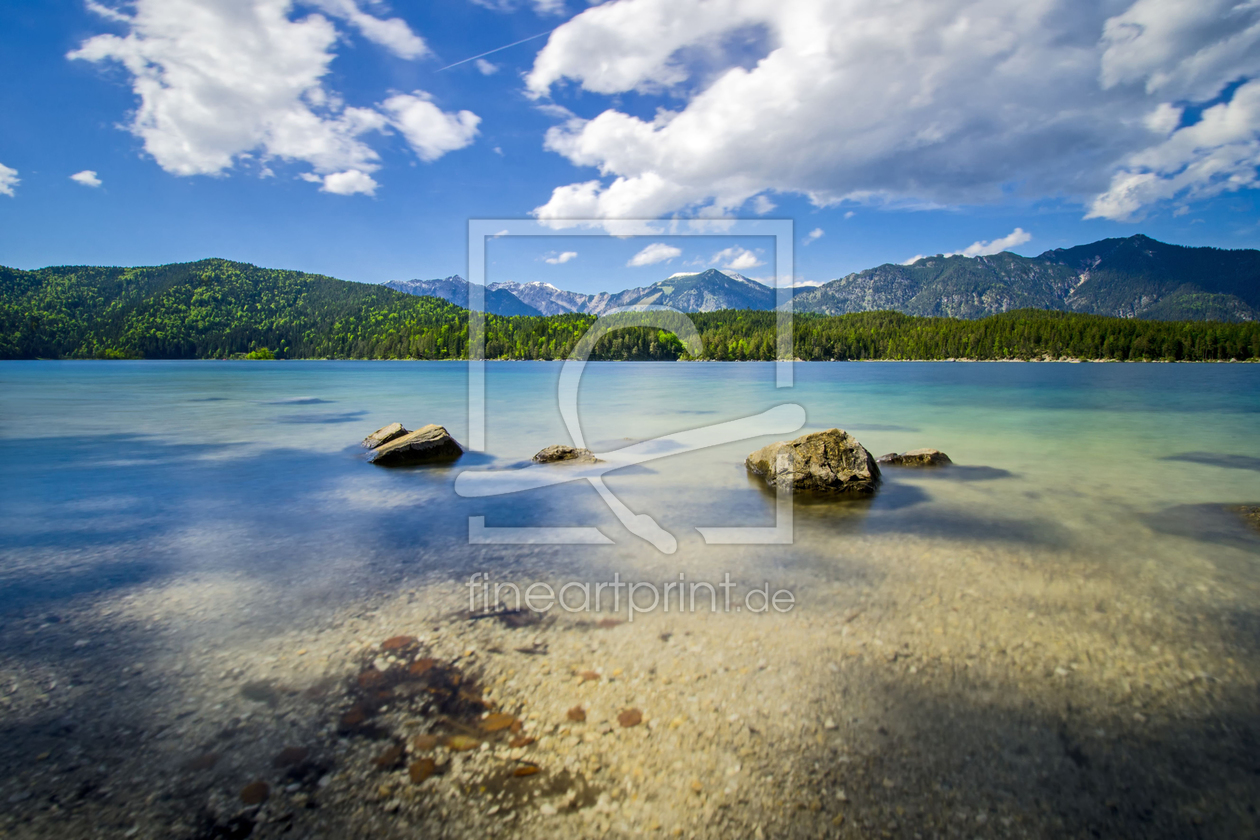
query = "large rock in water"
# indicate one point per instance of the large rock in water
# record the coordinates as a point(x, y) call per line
point(823, 462)
point(384, 435)
point(560, 452)
point(423, 446)
point(916, 458)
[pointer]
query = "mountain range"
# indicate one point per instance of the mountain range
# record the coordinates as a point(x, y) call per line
point(1136, 277)
point(455, 290)
point(1133, 277)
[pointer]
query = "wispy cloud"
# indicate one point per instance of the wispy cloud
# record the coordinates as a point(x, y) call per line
point(561, 259)
point(983, 249)
point(814, 235)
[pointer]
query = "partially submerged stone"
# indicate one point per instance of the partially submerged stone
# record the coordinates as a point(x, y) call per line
point(423, 446)
point(560, 452)
point(384, 435)
point(916, 458)
point(823, 462)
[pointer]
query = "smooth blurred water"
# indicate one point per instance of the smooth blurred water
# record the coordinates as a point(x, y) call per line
point(116, 474)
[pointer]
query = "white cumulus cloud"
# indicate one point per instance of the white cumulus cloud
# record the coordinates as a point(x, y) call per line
point(431, 131)
point(487, 68)
point(561, 259)
point(8, 180)
point(736, 259)
point(653, 254)
point(983, 249)
point(221, 81)
point(87, 178)
point(814, 235)
point(344, 183)
point(921, 102)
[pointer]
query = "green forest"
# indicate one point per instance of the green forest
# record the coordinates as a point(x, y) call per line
point(217, 309)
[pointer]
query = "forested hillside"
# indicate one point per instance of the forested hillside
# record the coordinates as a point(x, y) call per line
point(218, 309)
point(211, 309)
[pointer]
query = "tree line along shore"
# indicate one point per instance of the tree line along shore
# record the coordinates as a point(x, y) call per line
point(217, 309)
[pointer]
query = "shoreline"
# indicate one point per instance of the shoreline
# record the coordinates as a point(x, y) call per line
point(1065, 360)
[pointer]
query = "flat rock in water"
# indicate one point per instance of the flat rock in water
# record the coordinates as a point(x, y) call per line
point(255, 793)
point(202, 762)
point(390, 757)
point(384, 435)
point(422, 769)
point(497, 721)
point(462, 743)
point(427, 445)
point(398, 642)
point(290, 757)
point(425, 742)
point(823, 462)
point(558, 453)
point(916, 458)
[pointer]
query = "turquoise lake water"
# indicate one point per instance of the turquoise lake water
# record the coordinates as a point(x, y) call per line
point(117, 474)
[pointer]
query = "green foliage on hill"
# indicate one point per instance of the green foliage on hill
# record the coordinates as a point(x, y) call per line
point(215, 309)
point(222, 309)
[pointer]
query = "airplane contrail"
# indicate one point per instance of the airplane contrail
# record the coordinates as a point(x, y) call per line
point(498, 49)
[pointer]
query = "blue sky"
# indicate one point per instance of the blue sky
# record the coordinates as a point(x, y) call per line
point(328, 136)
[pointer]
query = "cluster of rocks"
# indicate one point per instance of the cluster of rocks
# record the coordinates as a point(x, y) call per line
point(832, 462)
point(394, 446)
point(828, 462)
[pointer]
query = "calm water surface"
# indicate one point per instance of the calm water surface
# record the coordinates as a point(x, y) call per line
point(117, 474)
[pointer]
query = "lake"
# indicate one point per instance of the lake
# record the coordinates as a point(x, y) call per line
point(1058, 632)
